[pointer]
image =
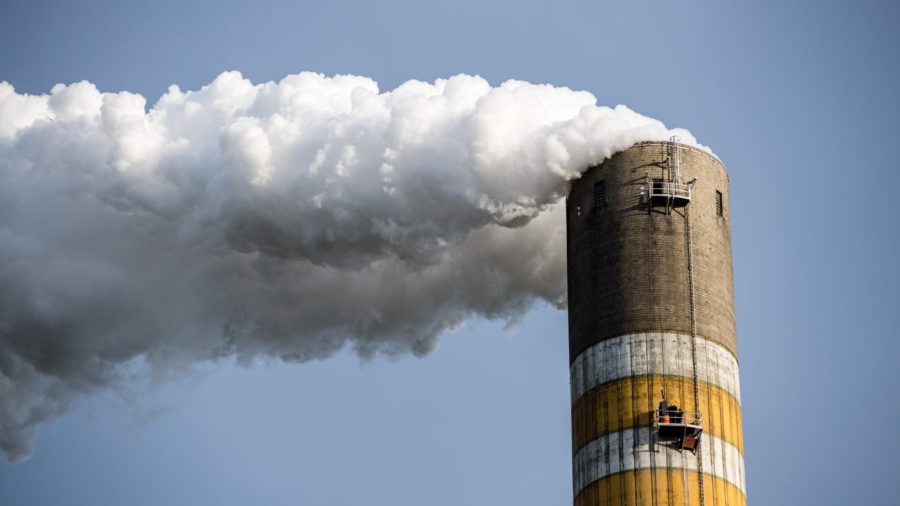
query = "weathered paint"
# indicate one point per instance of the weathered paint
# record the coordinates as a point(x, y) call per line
point(633, 449)
point(662, 487)
point(651, 307)
point(666, 353)
point(628, 403)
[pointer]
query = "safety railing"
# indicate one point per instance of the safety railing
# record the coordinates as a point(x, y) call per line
point(677, 417)
point(666, 189)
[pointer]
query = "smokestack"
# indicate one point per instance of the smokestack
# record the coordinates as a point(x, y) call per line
point(656, 413)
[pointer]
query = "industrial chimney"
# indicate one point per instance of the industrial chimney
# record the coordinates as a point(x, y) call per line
point(656, 413)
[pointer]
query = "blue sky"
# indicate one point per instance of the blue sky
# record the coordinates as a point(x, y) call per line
point(797, 98)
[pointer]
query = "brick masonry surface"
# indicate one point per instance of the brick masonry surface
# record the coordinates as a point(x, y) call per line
point(628, 268)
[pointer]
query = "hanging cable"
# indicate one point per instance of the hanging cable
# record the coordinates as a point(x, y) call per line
point(696, 379)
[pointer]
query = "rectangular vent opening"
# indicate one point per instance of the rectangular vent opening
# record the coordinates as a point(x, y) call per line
point(600, 195)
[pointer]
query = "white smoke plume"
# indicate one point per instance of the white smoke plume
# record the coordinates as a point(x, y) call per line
point(290, 220)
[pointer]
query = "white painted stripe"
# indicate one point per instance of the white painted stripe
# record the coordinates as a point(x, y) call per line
point(653, 353)
point(631, 449)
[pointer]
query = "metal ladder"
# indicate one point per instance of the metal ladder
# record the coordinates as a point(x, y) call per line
point(696, 380)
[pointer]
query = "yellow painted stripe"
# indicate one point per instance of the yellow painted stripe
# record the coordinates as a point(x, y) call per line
point(661, 487)
point(631, 402)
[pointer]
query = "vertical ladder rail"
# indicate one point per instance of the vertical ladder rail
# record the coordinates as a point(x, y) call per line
point(690, 258)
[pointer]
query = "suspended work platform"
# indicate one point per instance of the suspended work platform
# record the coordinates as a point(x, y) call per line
point(681, 428)
point(669, 193)
point(670, 190)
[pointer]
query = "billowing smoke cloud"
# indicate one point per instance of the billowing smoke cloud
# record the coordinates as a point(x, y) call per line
point(289, 220)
